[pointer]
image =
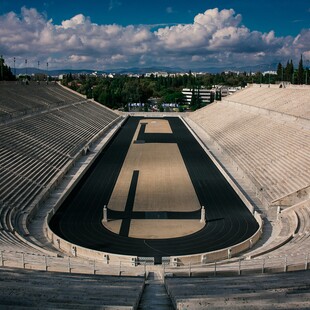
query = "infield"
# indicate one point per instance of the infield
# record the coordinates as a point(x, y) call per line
point(163, 184)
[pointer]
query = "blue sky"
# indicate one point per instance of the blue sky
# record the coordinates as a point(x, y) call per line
point(129, 33)
point(285, 17)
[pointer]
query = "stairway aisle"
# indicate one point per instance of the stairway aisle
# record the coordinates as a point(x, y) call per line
point(155, 296)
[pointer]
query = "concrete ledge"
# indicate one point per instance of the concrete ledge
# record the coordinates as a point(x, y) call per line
point(276, 244)
point(297, 206)
point(293, 198)
point(79, 251)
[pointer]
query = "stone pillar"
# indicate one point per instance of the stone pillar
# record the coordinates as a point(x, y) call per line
point(105, 214)
point(73, 250)
point(106, 258)
point(203, 215)
point(229, 253)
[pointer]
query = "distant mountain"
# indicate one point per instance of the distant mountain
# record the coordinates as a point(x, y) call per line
point(257, 68)
point(143, 70)
point(134, 70)
point(137, 70)
point(57, 72)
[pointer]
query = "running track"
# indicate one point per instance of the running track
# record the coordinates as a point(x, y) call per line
point(79, 219)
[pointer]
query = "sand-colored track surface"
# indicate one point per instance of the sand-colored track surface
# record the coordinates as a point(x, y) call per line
point(163, 185)
point(156, 126)
point(153, 229)
point(157, 229)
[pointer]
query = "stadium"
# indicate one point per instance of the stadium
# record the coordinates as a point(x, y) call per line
point(113, 210)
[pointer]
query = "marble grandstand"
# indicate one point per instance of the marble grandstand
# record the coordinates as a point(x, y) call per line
point(265, 132)
point(259, 135)
point(40, 140)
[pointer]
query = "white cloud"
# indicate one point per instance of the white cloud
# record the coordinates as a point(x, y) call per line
point(215, 38)
point(74, 22)
point(118, 57)
point(79, 58)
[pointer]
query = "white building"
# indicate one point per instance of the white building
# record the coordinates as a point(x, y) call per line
point(206, 95)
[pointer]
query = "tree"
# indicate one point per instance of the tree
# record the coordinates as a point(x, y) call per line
point(300, 72)
point(280, 72)
point(5, 71)
point(289, 71)
point(307, 76)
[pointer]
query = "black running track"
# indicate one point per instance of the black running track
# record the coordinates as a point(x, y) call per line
point(79, 218)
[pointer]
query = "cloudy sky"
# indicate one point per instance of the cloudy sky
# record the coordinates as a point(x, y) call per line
point(112, 34)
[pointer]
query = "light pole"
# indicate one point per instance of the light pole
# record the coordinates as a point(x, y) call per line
point(26, 67)
point(283, 83)
point(38, 70)
point(14, 67)
point(47, 73)
point(1, 64)
point(282, 75)
point(307, 62)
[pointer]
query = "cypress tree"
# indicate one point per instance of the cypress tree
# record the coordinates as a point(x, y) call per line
point(280, 72)
point(292, 71)
point(300, 73)
point(286, 71)
point(289, 71)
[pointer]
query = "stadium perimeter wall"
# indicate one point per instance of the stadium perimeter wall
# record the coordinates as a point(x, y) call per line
point(82, 252)
point(78, 251)
point(226, 253)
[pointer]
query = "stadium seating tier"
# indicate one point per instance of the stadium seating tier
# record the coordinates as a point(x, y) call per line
point(37, 149)
point(272, 151)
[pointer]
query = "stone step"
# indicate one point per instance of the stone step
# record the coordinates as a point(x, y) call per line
point(155, 296)
point(46, 290)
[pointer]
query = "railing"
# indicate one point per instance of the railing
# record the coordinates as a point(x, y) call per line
point(67, 264)
point(286, 263)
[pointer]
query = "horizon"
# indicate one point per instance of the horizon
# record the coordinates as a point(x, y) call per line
point(143, 70)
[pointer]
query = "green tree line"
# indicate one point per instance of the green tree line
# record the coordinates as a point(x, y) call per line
point(5, 71)
point(288, 73)
point(120, 90)
point(117, 92)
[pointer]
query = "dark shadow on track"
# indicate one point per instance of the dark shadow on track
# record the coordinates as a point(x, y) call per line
point(124, 230)
point(228, 220)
